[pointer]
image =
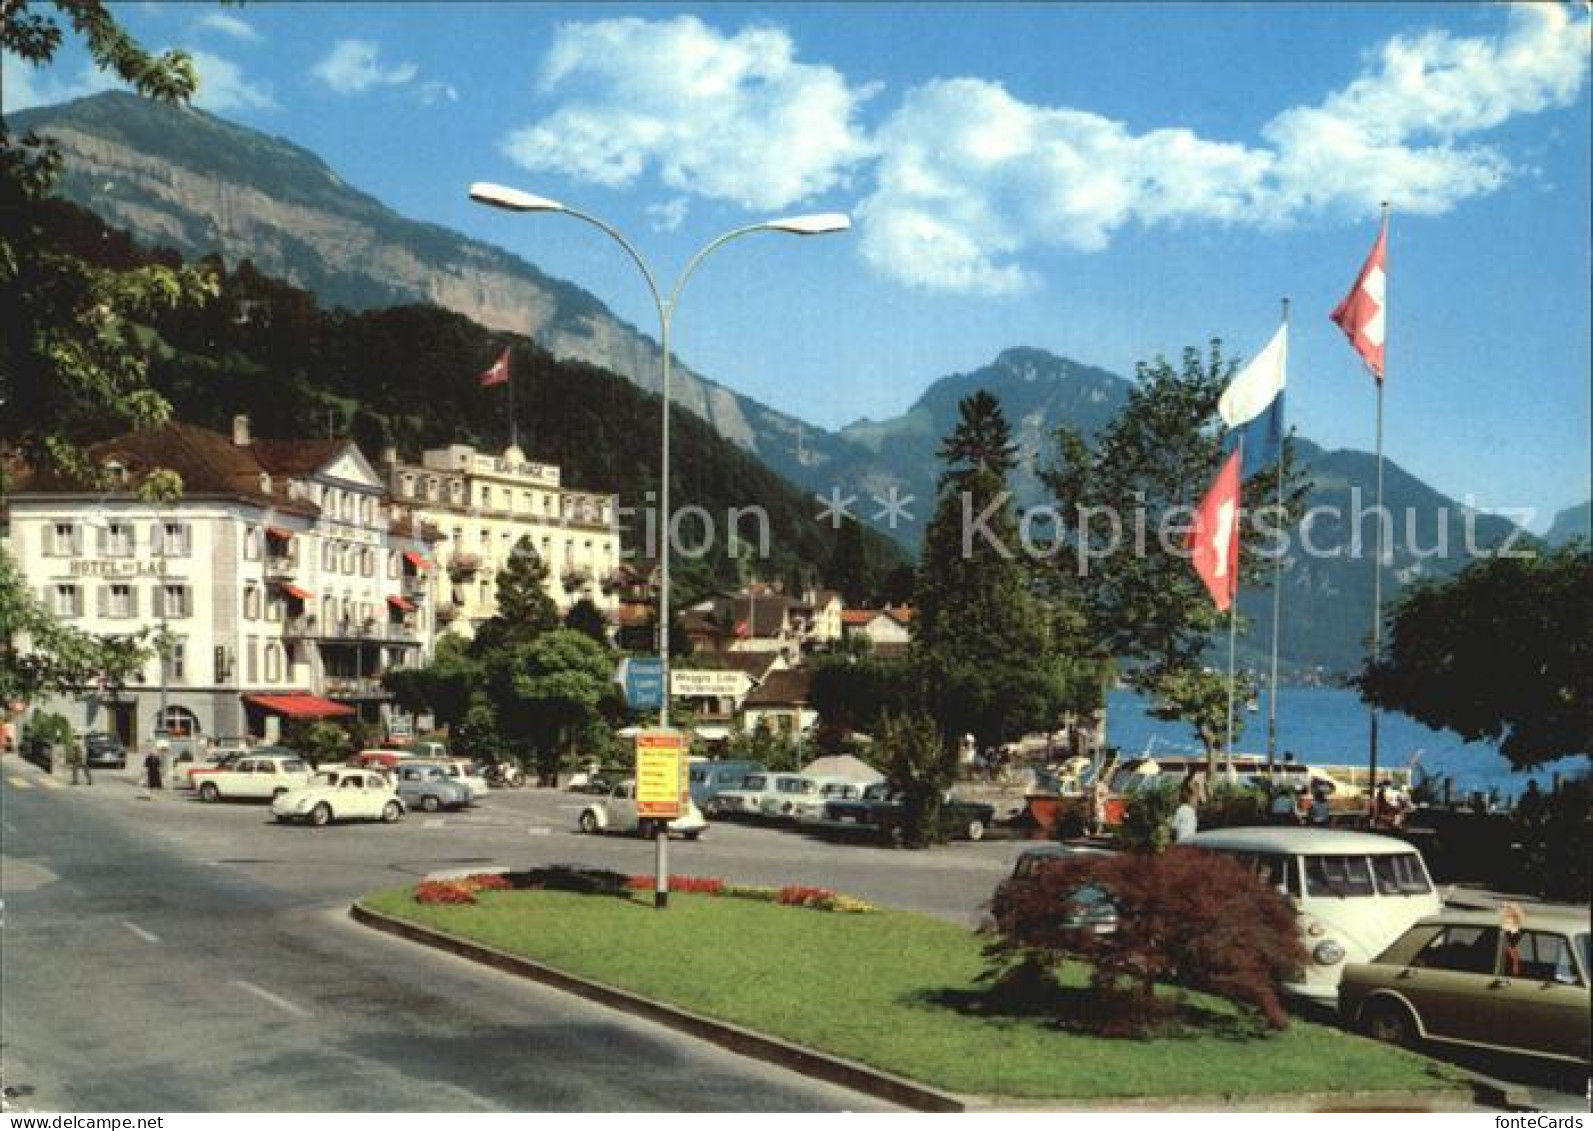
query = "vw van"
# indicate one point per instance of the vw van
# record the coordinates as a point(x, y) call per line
point(1354, 893)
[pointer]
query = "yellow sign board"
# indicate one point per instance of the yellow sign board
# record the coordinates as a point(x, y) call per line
point(660, 773)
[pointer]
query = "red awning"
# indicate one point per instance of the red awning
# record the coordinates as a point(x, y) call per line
point(299, 706)
point(295, 592)
point(403, 604)
point(279, 532)
point(416, 560)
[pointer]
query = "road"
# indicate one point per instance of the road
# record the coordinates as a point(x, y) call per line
point(162, 954)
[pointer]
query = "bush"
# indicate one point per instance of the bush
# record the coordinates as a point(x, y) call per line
point(46, 726)
point(1196, 919)
point(1148, 818)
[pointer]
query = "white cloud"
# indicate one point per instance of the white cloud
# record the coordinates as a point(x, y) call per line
point(670, 215)
point(435, 91)
point(970, 178)
point(728, 117)
point(352, 67)
point(27, 86)
point(230, 26)
point(223, 87)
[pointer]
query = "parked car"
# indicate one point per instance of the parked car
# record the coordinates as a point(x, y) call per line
point(256, 776)
point(707, 780)
point(746, 799)
point(339, 795)
point(427, 786)
point(464, 772)
point(616, 813)
point(1354, 893)
point(812, 808)
point(378, 758)
point(1089, 907)
point(104, 751)
point(790, 790)
point(880, 811)
point(1458, 977)
point(189, 775)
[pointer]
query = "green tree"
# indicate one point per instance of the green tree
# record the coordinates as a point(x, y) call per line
point(586, 618)
point(849, 572)
point(548, 688)
point(321, 740)
point(1121, 568)
point(442, 687)
point(981, 640)
point(477, 736)
point(525, 608)
point(920, 764)
point(72, 362)
point(1497, 653)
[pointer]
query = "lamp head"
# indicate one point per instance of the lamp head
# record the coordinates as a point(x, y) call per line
point(817, 224)
point(512, 199)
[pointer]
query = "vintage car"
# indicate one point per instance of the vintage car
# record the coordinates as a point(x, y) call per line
point(104, 752)
point(340, 795)
point(429, 787)
point(255, 776)
point(880, 811)
point(812, 808)
point(1461, 978)
point(378, 758)
point(789, 790)
point(746, 800)
point(709, 779)
point(1354, 893)
point(617, 813)
point(464, 772)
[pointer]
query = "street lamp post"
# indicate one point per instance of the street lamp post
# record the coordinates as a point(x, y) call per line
point(516, 200)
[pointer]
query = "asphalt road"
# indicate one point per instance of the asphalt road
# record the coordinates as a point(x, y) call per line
point(168, 955)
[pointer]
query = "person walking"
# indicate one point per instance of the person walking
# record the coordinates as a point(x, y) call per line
point(78, 760)
point(152, 769)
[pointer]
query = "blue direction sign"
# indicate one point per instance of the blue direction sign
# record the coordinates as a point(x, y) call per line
point(643, 681)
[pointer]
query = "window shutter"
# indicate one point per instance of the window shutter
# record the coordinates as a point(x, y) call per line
point(157, 539)
point(132, 600)
point(77, 541)
point(104, 592)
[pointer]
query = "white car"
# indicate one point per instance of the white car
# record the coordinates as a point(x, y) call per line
point(747, 799)
point(789, 791)
point(258, 777)
point(1354, 893)
point(341, 795)
point(616, 813)
point(464, 771)
point(809, 809)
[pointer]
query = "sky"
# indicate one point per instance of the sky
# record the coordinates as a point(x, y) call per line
point(1110, 182)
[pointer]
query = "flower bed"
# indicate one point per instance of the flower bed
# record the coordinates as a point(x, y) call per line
point(600, 882)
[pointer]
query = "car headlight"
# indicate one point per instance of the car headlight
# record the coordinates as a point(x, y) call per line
point(1328, 953)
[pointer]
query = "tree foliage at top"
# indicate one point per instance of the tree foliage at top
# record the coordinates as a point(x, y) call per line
point(981, 641)
point(980, 441)
point(1498, 653)
point(849, 571)
point(1128, 501)
point(73, 364)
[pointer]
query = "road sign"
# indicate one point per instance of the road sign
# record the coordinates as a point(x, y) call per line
point(660, 773)
point(642, 679)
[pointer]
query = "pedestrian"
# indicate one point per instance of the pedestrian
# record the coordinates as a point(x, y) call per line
point(1185, 820)
point(152, 769)
point(78, 760)
point(1530, 808)
point(1319, 803)
point(1283, 805)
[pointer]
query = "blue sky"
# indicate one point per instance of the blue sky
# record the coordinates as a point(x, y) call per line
point(1108, 182)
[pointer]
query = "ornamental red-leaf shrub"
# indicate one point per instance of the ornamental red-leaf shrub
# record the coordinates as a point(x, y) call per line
point(443, 892)
point(1196, 919)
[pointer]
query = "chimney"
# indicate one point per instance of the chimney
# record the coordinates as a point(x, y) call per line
point(240, 431)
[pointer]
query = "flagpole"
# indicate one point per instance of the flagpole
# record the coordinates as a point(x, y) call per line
point(1377, 564)
point(1233, 613)
point(1277, 610)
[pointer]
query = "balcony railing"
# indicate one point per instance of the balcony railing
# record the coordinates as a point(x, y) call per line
point(312, 628)
point(353, 687)
point(279, 567)
point(417, 587)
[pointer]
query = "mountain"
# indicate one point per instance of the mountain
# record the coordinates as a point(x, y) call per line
point(185, 179)
point(1572, 522)
point(182, 178)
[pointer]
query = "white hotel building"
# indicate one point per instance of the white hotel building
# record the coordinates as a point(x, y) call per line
point(282, 579)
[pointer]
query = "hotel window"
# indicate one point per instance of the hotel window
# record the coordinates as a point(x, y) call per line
point(116, 540)
point(65, 542)
point(486, 541)
point(118, 602)
point(367, 510)
point(408, 487)
point(526, 498)
point(251, 603)
point(547, 504)
point(176, 539)
point(368, 562)
point(392, 563)
point(275, 608)
point(251, 544)
point(486, 594)
point(508, 499)
point(68, 601)
point(175, 662)
point(251, 660)
point(175, 601)
point(431, 488)
point(273, 663)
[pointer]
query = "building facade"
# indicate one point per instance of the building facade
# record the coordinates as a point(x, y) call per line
point(280, 584)
point(481, 505)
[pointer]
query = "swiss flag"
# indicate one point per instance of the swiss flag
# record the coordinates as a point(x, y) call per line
point(1363, 312)
point(1214, 540)
point(499, 373)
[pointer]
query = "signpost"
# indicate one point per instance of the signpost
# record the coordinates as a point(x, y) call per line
point(660, 795)
point(642, 679)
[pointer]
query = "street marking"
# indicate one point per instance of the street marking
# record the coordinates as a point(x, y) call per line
point(432, 823)
point(266, 995)
point(140, 932)
point(20, 783)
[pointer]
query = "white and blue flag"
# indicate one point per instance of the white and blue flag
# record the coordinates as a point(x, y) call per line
point(1252, 404)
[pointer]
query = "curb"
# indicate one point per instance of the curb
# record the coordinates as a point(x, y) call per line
point(820, 1066)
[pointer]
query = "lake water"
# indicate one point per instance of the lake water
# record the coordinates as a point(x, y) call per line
point(1332, 725)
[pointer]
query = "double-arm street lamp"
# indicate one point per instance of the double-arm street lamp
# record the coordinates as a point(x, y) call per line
point(515, 200)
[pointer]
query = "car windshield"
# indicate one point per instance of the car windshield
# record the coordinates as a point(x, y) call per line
point(1400, 875)
point(326, 778)
point(834, 790)
point(1338, 876)
point(293, 766)
point(754, 781)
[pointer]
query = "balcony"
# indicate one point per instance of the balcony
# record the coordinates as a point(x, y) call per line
point(353, 687)
point(417, 587)
point(280, 567)
point(312, 628)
